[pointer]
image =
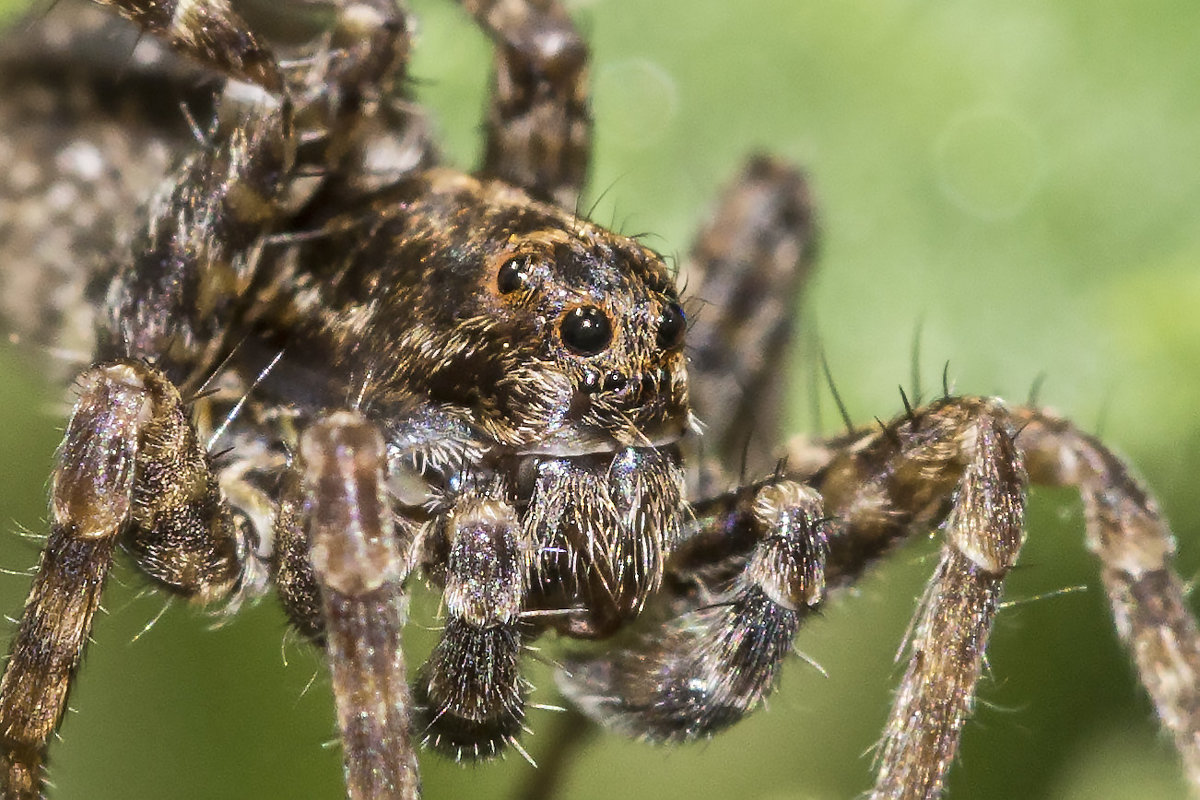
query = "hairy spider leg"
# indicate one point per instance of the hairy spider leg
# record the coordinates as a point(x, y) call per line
point(130, 471)
point(131, 468)
point(724, 626)
point(538, 128)
point(954, 465)
point(959, 463)
point(745, 276)
point(1136, 549)
point(339, 504)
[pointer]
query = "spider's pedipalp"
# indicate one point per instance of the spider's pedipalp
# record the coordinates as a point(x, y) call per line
point(470, 690)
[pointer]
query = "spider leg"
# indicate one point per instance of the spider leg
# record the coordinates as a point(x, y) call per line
point(207, 30)
point(173, 301)
point(1126, 531)
point(960, 462)
point(745, 272)
point(718, 651)
point(470, 690)
point(180, 299)
point(340, 504)
point(954, 463)
point(539, 127)
point(132, 471)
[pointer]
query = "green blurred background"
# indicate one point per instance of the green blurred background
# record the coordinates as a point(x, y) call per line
point(1019, 180)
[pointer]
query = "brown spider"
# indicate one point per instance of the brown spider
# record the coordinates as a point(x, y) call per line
point(696, 379)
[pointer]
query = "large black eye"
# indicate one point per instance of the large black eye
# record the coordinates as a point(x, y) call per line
point(586, 330)
point(671, 327)
point(513, 275)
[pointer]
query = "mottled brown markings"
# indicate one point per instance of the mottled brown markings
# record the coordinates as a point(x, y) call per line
point(437, 243)
point(936, 694)
point(539, 126)
point(307, 256)
point(129, 471)
point(358, 565)
point(886, 484)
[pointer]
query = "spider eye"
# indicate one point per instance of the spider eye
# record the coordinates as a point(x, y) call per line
point(586, 330)
point(671, 327)
point(513, 275)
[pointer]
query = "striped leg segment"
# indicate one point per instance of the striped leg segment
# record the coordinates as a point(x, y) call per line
point(539, 126)
point(130, 471)
point(358, 565)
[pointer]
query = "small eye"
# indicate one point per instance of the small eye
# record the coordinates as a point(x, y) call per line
point(513, 275)
point(671, 327)
point(586, 330)
point(614, 381)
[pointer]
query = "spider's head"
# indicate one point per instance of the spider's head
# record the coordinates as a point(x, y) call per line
point(555, 336)
point(604, 364)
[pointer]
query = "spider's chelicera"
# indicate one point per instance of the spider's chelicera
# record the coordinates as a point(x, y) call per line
point(324, 365)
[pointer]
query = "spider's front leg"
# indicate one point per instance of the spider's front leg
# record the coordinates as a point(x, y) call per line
point(132, 471)
point(954, 463)
point(336, 512)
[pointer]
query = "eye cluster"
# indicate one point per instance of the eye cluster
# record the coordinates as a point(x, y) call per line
point(587, 330)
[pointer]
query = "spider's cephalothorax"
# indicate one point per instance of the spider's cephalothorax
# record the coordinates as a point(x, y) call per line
point(414, 373)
